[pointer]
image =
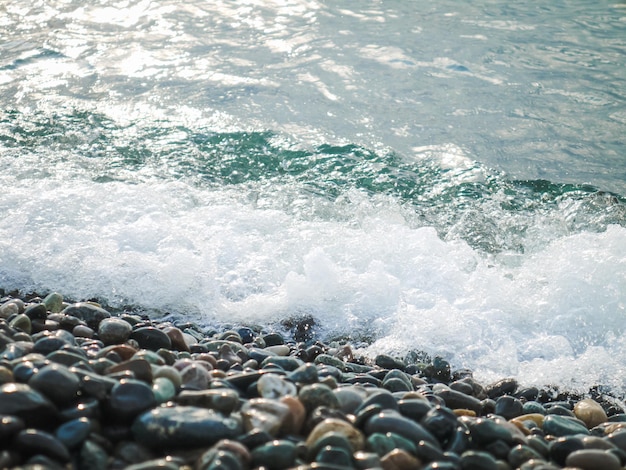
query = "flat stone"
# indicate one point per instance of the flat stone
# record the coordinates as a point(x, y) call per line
point(151, 338)
point(74, 432)
point(222, 399)
point(454, 399)
point(91, 314)
point(184, 427)
point(23, 401)
point(563, 426)
point(392, 421)
point(35, 441)
point(593, 459)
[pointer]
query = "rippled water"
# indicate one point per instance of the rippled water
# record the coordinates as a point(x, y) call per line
point(442, 176)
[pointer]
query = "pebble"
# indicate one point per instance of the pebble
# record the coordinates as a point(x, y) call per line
point(82, 387)
point(593, 459)
point(184, 427)
point(590, 412)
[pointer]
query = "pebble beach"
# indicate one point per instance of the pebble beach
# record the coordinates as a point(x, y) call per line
point(83, 387)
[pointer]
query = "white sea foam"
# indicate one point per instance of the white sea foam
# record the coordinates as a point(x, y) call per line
point(556, 314)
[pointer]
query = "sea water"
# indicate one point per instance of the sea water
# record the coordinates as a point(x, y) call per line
point(442, 177)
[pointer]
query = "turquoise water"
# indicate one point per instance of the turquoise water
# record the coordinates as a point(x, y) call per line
point(445, 177)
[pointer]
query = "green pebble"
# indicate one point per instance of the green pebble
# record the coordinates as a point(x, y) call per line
point(163, 389)
point(559, 426)
point(53, 302)
point(276, 454)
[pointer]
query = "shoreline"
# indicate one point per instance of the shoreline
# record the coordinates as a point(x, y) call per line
point(84, 387)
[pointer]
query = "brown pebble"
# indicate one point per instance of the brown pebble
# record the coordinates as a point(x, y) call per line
point(590, 412)
point(140, 368)
point(297, 414)
point(354, 436)
point(177, 338)
point(464, 412)
point(399, 459)
point(593, 459)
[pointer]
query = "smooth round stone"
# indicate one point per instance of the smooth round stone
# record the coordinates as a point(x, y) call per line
point(329, 360)
point(462, 387)
point(246, 335)
point(593, 459)
point(392, 421)
point(83, 331)
point(140, 368)
point(177, 338)
point(427, 452)
point(315, 395)
point(24, 371)
point(114, 330)
point(163, 389)
point(539, 445)
point(560, 410)
point(332, 438)
point(562, 447)
point(130, 397)
point(382, 398)
point(562, 426)
point(502, 387)
point(275, 454)
point(151, 338)
point(21, 322)
point(35, 441)
point(332, 425)
point(520, 454)
point(388, 362)
point(335, 456)
point(349, 398)
point(275, 386)
point(288, 363)
point(53, 302)
point(294, 421)
point(92, 456)
point(509, 407)
point(16, 350)
point(484, 431)
point(24, 402)
point(382, 444)
point(74, 432)
point(305, 374)
point(183, 426)
point(590, 412)
point(48, 344)
point(10, 426)
point(264, 414)
point(36, 312)
point(195, 377)
point(365, 460)
point(66, 358)
point(618, 438)
point(6, 375)
point(478, 460)
point(533, 407)
point(219, 459)
point(399, 459)
point(169, 373)
point(395, 384)
point(10, 308)
point(441, 422)
point(57, 383)
point(273, 339)
point(91, 314)
point(454, 400)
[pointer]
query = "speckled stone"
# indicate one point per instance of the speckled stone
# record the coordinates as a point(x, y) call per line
point(331, 425)
point(183, 427)
point(114, 330)
point(264, 414)
point(90, 313)
point(316, 395)
point(399, 459)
